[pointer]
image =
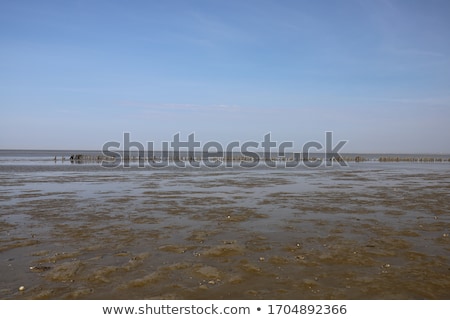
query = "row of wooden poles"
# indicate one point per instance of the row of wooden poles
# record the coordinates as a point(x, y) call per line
point(98, 158)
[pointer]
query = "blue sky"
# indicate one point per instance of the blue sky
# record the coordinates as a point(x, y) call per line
point(75, 74)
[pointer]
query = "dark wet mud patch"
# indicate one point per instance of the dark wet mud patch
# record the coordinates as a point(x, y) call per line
point(226, 249)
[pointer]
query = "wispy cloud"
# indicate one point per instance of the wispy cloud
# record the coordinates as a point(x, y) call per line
point(413, 52)
point(423, 102)
point(146, 107)
point(406, 31)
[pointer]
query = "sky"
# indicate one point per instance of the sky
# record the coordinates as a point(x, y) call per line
point(77, 74)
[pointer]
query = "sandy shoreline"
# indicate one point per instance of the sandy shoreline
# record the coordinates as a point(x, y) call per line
point(369, 231)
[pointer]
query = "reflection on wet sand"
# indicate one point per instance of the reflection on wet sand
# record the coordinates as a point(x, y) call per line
point(369, 231)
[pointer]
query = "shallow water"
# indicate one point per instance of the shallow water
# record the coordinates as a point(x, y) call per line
point(366, 231)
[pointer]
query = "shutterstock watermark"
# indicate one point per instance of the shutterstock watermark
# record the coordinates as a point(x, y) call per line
point(212, 154)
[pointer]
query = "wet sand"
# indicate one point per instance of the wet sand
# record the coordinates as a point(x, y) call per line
point(367, 231)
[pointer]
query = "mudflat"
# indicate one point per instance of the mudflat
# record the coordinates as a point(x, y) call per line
point(366, 231)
